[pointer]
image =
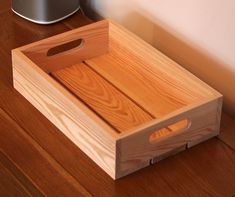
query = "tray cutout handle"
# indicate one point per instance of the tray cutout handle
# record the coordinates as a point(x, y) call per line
point(170, 130)
point(66, 47)
point(49, 55)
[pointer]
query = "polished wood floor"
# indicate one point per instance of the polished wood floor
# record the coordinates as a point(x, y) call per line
point(36, 159)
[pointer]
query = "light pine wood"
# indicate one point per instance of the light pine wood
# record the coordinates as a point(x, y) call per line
point(137, 155)
point(137, 68)
point(74, 119)
point(108, 102)
point(125, 86)
point(169, 130)
point(200, 173)
point(94, 38)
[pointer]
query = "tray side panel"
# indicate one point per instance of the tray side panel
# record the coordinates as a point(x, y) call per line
point(64, 112)
point(135, 151)
point(93, 42)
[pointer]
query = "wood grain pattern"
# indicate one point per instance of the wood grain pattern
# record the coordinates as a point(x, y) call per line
point(94, 38)
point(204, 170)
point(202, 167)
point(137, 155)
point(23, 146)
point(66, 112)
point(117, 109)
point(169, 130)
point(9, 185)
point(31, 120)
point(20, 177)
point(82, 168)
point(16, 32)
point(138, 68)
point(179, 98)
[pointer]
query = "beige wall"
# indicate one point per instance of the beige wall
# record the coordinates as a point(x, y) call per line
point(198, 34)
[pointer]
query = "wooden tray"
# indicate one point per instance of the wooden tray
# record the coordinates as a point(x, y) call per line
point(121, 101)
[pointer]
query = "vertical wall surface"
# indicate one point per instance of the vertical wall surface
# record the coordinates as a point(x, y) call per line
point(198, 34)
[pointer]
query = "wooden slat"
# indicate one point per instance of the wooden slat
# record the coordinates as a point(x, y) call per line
point(29, 156)
point(26, 182)
point(205, 164)
point(9, 185)
point(114, 107)
point(137, 68)
point(199, 170)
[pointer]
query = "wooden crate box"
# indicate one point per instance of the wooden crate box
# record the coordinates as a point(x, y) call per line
point(122, 102)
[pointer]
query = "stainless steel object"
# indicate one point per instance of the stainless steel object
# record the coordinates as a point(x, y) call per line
point(45, 11)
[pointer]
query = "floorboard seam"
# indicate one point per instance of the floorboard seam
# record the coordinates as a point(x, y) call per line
point(230, 147)
point(25, 131)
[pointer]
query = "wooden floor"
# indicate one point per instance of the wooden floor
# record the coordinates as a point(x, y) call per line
point(36, 159)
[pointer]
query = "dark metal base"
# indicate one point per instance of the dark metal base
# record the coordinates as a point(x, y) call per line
point(45, 11)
